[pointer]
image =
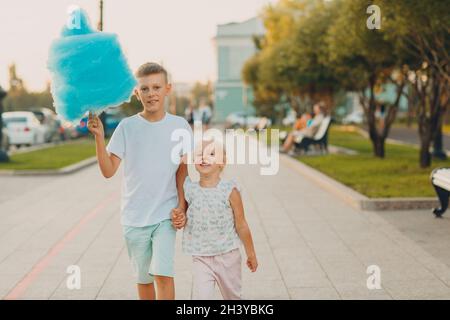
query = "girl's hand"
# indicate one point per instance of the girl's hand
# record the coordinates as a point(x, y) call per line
point(178, 218)
point(252, 262)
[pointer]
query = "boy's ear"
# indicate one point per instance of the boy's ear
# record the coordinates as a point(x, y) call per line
point(169, 88)
point(135, 91)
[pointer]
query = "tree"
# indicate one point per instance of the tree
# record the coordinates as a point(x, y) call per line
point(202, 90)
point(19, 98)
point(363, 60)
point(292, 63)
point(421, 31)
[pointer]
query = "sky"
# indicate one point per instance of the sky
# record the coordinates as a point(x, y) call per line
point(177, 33)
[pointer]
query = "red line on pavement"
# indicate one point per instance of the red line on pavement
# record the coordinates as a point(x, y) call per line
point(20, 288)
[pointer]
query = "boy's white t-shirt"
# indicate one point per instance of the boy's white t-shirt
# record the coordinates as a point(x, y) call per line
point(151, 160)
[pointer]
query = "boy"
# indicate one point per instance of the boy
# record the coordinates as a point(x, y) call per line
point(152, 182)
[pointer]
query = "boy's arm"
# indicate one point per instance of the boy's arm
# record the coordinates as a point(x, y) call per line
point(107, 162)
point(242, 228)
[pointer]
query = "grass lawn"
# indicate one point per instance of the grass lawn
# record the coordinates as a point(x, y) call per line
point(398, 175)
point(52, 158)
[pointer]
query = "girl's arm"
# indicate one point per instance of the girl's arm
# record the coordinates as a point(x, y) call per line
point(181, 175)
point(242, 229)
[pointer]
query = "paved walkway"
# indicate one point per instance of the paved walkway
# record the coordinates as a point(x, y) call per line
point(310, 244)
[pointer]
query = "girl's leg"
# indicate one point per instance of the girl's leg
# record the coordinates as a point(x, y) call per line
point(203, 279)
point(229, 274)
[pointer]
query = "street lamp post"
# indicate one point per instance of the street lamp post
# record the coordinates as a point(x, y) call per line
point(100, 23)
point(3, 155)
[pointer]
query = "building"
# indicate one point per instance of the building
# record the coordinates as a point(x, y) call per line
point(234, 46)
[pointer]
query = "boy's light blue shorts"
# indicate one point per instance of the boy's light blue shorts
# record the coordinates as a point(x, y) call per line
point(151, 250)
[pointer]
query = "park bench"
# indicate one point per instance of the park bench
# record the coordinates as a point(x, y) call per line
point(440, 179)
point(320, 139)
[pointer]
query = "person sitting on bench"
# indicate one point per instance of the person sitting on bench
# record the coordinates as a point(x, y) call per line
point(296, 136)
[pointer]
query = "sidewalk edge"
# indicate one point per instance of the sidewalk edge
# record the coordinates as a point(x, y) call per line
point(354, 198)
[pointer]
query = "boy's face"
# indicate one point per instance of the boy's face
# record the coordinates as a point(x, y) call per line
point(152, 90)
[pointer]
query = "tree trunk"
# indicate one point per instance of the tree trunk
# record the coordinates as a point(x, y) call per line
point(411, 105)
point(425, 133)
point(425, 155)
point(438, 145)
point(378, 147)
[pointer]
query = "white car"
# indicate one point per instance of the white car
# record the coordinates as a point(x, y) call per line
point(356, 117)
point(48, 120)
point(23, 128)
point(240, 119)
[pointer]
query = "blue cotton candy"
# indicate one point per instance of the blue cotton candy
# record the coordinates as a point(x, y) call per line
point(89, 71)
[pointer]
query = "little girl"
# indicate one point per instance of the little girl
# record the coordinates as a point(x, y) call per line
point(215, 227)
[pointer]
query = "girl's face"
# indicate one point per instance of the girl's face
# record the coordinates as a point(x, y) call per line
point(209, 158)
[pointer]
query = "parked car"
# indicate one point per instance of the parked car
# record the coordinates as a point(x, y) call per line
point(23, 128)
point(81, 127)
point(66, 129)
point(240, 119)
point(356, 117)
point(112, 119)
point(47, 118)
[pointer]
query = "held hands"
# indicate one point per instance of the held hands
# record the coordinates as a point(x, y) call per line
point(95, 125)
point(178, 218)
point(252, 262)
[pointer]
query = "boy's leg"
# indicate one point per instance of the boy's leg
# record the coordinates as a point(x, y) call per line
point(165, 288)
point(228, 268)
point(203, 278)
point(138, 242)
point(146, 291)
point(161, 267)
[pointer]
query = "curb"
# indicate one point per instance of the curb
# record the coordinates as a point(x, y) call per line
point(354, 198)
point(52, 172)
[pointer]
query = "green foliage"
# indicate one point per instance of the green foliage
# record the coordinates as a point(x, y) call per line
point(357, 53)
point(24, 100)
point(200, 91)
point(396, 176)
point(52, 158)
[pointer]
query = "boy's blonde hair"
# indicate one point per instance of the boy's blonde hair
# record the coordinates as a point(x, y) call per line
point(150, 68)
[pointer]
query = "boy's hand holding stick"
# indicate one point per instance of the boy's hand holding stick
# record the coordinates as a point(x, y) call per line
point(95, 126)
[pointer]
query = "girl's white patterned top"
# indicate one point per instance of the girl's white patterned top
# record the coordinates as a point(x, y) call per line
point(210, 228)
